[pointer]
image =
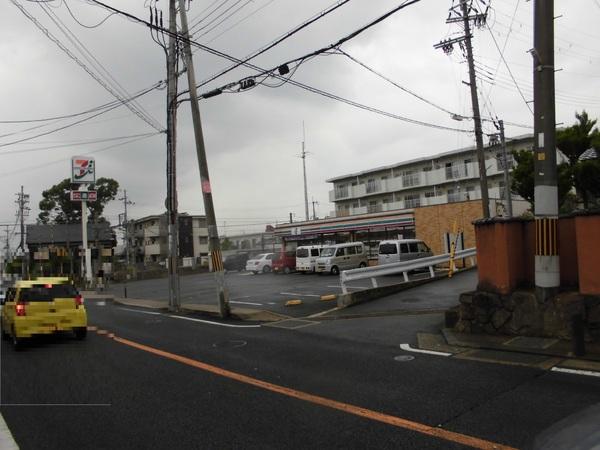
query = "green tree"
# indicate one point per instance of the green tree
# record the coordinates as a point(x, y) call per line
point(577, 138)
point(523, 178)
point(226, 244)
point(56, 205)
point(587, 180)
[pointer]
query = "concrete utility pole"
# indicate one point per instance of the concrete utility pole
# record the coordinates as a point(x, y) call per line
point(214, 244)
point(313, 208)
point(506, 171)
point(304, 172)
point(126, 202)
point(23, 200)
point(84, 236)
point(547, 269)
point(173, 231)
point(476, 115)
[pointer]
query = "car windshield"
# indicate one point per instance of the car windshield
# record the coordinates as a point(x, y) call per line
point(302, 253)
point(328, 251)
point(261, 256)
point(48, 293)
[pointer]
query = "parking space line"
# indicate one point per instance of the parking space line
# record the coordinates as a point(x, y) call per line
point(141, 311)
point(349, 287)
point(293, 294)
point(399, 422)
point(228, 325)
point(588, 373)
point(245, 303)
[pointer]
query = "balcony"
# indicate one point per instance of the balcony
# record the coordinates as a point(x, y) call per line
point(152, 249)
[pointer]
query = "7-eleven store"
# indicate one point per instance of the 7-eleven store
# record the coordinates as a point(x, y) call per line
point(369, 229)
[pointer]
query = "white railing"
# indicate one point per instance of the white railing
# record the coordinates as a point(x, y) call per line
point(401, 267)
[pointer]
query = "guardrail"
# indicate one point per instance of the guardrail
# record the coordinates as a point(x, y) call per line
point(401, 267)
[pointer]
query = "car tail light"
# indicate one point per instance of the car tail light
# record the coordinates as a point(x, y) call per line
point(78, 301)
point(20, 309)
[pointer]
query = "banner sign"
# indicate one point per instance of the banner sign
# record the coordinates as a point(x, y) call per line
point(81, 196)
point(83, 170)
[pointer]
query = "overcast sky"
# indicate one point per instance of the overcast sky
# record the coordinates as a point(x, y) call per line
point(253, 138)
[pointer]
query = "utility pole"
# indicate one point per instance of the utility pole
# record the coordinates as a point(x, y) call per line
point(447, 46)
point(547, 268)
point(173, 231)
point(304, 171)
point(313, 208)
point(506, 171)
point(7, 248)
point(126, 202)
point(214, 244)
point(22, 202)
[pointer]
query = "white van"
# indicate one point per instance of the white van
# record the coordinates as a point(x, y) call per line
point(342, 257)
point(306, 258)
point(402, 250)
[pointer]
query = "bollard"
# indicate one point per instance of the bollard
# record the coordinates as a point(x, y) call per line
point(578, 335)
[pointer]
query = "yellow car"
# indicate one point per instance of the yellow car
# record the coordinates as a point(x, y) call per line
point(42, 306)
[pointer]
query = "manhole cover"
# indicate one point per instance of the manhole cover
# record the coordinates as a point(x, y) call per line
point(230, 344)
point(403, 358)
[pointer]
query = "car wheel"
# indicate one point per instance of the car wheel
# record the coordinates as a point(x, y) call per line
point(266, 269)
point(80, 333)
point(335, 270)
point(286, 270)
point(362, 264)
point(254, 272)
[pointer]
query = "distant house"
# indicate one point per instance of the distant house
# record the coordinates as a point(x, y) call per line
point(57, 245)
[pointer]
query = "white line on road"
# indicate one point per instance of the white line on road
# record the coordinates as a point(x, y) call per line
point(408, 348)
point(299, 295)
point(245, 303)
point(237, 298)
point(587, 373)
point(215, 323)
point(349, 287)
point(7, 440)
point(142, 312)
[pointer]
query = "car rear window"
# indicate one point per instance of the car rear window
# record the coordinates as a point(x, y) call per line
point(302, 253)
point(47, 294)
point(388, 249)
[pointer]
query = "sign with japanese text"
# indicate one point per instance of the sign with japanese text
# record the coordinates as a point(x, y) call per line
point(81, 196)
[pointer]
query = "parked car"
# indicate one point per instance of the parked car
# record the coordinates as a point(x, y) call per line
point(402, 250)
point(306, 258)
point(260, 263)
point(342, 257)
point(236, 262)
point(42, 306)
point(285, 262)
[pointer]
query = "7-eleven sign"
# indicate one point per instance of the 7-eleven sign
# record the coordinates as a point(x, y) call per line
point(83, 170)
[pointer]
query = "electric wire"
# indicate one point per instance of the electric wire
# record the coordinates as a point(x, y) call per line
point(243, 19)
point(217, 17)
point(224, 19)
point(82, 24)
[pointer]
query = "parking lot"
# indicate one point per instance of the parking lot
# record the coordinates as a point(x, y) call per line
point(261, 291)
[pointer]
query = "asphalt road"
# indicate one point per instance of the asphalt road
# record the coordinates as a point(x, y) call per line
point(261, 291)
point(167, 382)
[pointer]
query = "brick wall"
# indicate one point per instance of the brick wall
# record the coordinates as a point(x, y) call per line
point(431, 222)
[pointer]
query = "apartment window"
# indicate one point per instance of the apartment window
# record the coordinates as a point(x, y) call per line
point(502, 188)
point(500, 161)
point(452, 171)
point(203, 240)
point(372, 185)
point(429, 194)
point(355, 205)
point(341, 191)
point(412, 201)
point(454, 196)
point(373, 207)
point(410, 178)
point(467, 164)
point(427, 169)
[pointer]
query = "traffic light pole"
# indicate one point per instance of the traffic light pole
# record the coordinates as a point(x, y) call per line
point(214, 245)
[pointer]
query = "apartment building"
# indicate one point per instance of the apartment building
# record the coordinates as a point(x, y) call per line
point(443, 178)
point(148, 238)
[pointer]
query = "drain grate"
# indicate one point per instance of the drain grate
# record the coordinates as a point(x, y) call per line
point(530, 342)
point(291, 324)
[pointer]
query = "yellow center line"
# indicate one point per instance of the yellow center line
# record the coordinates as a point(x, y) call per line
point(399, 422)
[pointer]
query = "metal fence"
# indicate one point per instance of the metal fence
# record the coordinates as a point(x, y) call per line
point(401, 267)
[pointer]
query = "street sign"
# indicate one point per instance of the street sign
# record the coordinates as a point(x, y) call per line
point(83, 170)
point(87, 196)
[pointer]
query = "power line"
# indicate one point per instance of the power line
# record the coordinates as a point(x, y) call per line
point(243, 19)
point(223, 20)
point(83, 25)
point(80, 63)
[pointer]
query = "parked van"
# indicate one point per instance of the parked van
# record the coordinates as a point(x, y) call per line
point(402, 250)
point(306, 258)
point(342, 257)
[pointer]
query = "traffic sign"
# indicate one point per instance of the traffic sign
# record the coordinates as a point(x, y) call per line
point(87, 196)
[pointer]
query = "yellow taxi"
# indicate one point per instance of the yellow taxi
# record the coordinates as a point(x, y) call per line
point(44, 305)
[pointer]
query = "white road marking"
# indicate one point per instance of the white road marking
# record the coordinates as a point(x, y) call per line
point(237, 298)
point(349, 287)
point(7, 441)
point(299, 295)
point(215, 323)
point(272, 303)
point(408, 348)
point(142, 312)
point(587, 373)
point(245, 303)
